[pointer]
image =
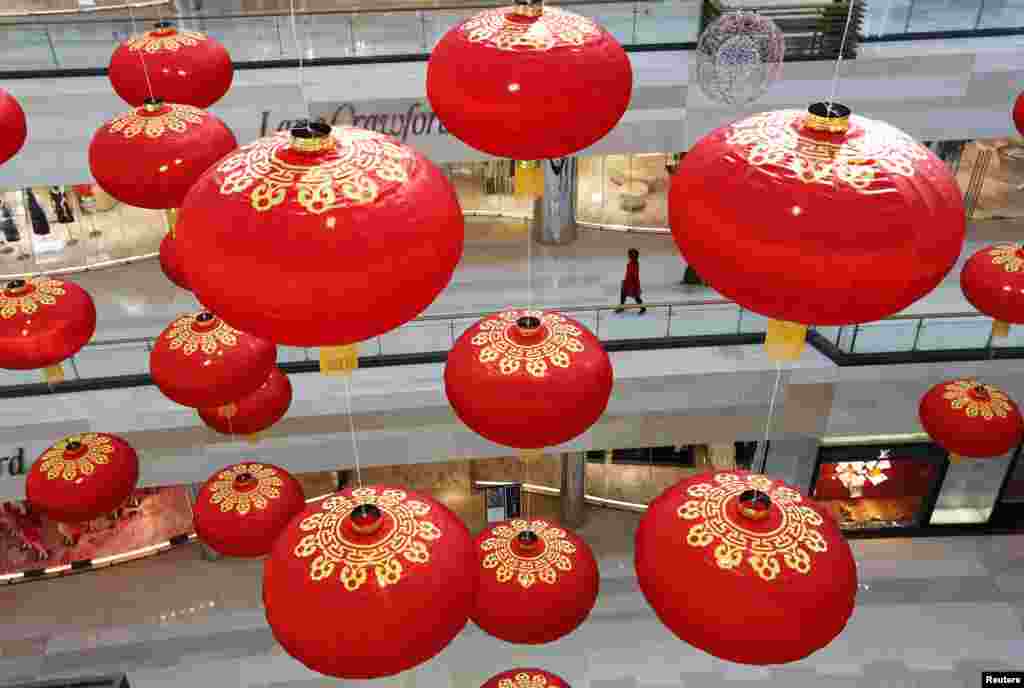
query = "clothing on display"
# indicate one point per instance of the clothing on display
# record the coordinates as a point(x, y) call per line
point(61, 205)
point(40, 225)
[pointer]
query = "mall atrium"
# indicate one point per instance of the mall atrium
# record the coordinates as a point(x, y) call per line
point(522, 344)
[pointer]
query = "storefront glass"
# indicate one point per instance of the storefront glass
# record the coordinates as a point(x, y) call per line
point(624, 191)
point(486, 188)
point(969, 491)
point(991, 175)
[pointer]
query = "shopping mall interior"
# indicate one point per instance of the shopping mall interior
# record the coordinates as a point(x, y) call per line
point(547, 413)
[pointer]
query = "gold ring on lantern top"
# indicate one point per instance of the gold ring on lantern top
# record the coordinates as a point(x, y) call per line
point(531, 29)
point(344, 168)
point(76, 456)
point(530, 339)
point(1010, 256)
point(203, 331)
point(525, 680)
point(791, 532)
point(977, 399)
point(165, 38)
point(26, 295)
point(806, 146)
point(245, 487)
point(371, 531)
point(524, 552)
point(156, 118)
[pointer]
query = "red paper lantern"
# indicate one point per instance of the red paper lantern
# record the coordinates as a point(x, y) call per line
point(529, 83)
point(528, 379)
point(151, 156)
point(538, 582)
point(241, 510)
point(201, 361)
point(525, 678)
point(256, 412)
point(1018, 114)
point(993, 282)
point(185, 67)
point(391, 575)
point(841, 219)
point(13, 129)
point(43, 322)
point(319, 238)
point(82, 477)
point(171, 261)
point(744, 568)
point(968, 418)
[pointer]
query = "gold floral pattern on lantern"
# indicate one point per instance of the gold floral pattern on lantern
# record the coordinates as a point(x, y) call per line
point(176, 119)
point(406, 539)
point(56, 465)
point(794, 540)
point(224, 493)
point(997, 405)
point(866, 156)
point(555, 28)
point(525, 680)
point(363, 166)
point(183, 336)
point(1007, 255)
point(527, 570)
point(561, 338)
point(157, 41)
point(43, 292)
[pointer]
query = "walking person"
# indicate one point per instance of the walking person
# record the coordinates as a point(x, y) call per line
point(631, 284)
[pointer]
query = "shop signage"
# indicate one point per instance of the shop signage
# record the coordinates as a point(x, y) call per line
point(15, 464)
point(401, 119)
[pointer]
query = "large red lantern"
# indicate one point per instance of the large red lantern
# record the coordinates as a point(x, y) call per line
point(151, 156)
point(817, 218)
point(993, 282)
point(185, 67)
point(201, 361)
point(968, 418)
point(171, 261)
point(1018, 113)
point(241, 509)
point(13, 128)
point(391, 574)
point(82, 477)
point(744, 568)
point(528, 379)
point(254, 413)
point(321, 239)
point(525, 678)
point(43, 322)
point(538, 582)
point(529, 82)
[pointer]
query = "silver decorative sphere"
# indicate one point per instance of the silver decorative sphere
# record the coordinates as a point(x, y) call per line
point(739, 55)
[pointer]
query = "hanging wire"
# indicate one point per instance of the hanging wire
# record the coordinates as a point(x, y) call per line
point(352, 429)
point(768, 421)
point(145, 70)
point(529, 267)
point(298, 52)
point(839, 59)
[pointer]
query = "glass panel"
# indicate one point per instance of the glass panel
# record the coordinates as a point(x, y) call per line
point(1002, 14)
point(1014, 492)
point(15, 378)
point(880, 491)
point(969, 491)
point(26, 47)
point(752, 323)
point(829, 333)
point(954, 333)
point(296, 354)
point(253, 39)
point(886, 17)
point(942, 15)
point(389, 33)
point(876, 337)
point(631, 325)
point(590, 189)
point(688, 321)
point(1015, 338)
point(437, 24)
point(418, 337)
point(667, 21)
point(486, 188)
point(619, 19)
point(111, 360)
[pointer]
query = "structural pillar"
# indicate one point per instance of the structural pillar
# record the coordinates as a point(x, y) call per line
point(574, 478)
point(554, 216)
point(207, 553)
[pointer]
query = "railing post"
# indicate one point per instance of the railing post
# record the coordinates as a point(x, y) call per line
point(853, 339)
point(53, 50)
point(451, 331)
point(668, 323)
point(917, 333)
point(597, 327)
point(739, 323)
point(636, 18)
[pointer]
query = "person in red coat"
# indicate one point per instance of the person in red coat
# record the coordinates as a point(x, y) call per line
point(631, 284)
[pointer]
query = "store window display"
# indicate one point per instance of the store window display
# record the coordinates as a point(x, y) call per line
point(624, 190)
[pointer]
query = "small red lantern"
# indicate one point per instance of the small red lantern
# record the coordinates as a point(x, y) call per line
point(151, 156)
point(744, 568)
point(528, 379)
point(185, 67)
point(968, 418)
point(171, 261)
point(853, 219)
point(993, 282)
point(299, 234)
point(241, 510)
point(538, 582)
point(82, 477)
point(13, 129)
point(201, 361)
point(525, 678)
point(1018, 114)
point(529, 82)
point(43, 322)
point(392, 575)
point(254, 413)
